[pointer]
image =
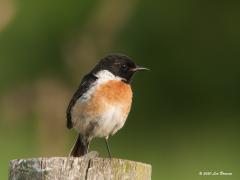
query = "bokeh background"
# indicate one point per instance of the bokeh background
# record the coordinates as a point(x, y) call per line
point(185, 115)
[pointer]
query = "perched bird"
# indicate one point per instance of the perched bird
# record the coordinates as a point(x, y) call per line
point(100, 106)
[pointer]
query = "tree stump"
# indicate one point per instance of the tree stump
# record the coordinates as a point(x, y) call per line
point(82, 168)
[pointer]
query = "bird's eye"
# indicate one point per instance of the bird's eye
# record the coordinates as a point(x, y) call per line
point(124, 67)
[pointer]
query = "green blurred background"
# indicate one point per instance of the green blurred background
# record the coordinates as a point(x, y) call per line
point(185, 115)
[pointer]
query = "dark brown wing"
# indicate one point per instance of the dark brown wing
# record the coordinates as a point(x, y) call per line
point(84, 86)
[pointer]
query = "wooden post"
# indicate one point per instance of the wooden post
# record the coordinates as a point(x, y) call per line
point(83, 168)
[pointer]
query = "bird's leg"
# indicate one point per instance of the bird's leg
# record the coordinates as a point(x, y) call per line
point(106, 141)
point(86, 147)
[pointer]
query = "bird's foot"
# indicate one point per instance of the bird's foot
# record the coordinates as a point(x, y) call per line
point(91, 155)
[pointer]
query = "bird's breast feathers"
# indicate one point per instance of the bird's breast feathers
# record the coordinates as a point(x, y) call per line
point(104, 107)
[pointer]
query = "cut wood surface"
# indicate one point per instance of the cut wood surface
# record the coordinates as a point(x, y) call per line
point(88, 167)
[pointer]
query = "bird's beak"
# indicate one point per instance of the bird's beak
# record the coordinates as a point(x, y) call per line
point(138, 68)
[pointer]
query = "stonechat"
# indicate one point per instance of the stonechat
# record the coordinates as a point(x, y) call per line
point(101, 104)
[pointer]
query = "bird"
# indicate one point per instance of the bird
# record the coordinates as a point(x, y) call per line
point(102, 102)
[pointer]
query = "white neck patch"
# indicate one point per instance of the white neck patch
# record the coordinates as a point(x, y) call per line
point(105, 75)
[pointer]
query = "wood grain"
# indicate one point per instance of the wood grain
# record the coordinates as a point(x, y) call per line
point(83, 168)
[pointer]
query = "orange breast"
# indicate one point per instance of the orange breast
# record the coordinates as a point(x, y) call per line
point(113, 92)
point(99, 109)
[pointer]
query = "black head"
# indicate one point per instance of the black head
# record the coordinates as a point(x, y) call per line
point(119, 65)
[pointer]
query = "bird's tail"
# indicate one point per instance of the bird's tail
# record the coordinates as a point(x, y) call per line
point(80, 147)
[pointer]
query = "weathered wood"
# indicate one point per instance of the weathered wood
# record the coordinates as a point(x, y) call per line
point(70, 168)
